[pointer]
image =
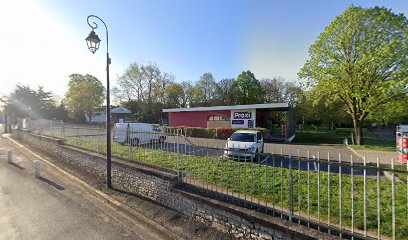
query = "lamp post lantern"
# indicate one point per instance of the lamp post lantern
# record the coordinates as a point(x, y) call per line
point(93, 44)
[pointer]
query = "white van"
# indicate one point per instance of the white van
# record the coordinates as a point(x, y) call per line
point(135, 133)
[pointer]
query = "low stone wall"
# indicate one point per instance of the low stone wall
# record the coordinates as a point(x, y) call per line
point(161, 187)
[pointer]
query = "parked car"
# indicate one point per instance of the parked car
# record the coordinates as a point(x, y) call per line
point(135, 133)
point(243, 144)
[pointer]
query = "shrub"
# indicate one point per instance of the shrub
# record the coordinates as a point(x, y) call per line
point(224, 133)
point(201, 132)
point(344, 131)
point(216, 133)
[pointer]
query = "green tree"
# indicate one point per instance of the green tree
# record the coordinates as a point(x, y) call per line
point(61, 112)
point(278, 90)
point(391, 113)
point(142, 89)
point(361, 60)
point(204, 92)
point(85, 94)
point(25, 102)
point(174, 95)
point(188, 91)
point(313, 110)
point(247, 89)
point(130, 85)
point(224, 94)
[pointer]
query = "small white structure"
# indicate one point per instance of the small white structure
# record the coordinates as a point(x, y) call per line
point(96, 117)
point(120, 110)
point(116, 114)
point(135, 133)
point(120, 115)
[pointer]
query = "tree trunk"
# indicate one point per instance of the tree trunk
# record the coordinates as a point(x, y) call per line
point(358, 131)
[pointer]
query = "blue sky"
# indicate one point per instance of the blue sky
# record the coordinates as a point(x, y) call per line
point(44, 40)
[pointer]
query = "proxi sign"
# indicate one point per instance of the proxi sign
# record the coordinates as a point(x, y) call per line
point(242, 115)
point(243, 118)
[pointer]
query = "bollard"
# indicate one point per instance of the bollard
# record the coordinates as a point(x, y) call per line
point(314, 163)
point(37, 168)
point(9, 156)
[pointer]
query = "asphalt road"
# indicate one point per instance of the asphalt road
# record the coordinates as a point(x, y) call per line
point(53, 207)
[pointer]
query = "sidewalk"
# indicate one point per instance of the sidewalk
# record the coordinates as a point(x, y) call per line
point(372, 155)
point(133, 209)
point(53, 206)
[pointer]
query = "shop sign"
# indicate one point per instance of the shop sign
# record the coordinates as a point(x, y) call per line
point(242, 115)
point(250, 123)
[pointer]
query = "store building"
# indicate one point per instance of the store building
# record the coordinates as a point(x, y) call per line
point(277, 118)
point(118, 114)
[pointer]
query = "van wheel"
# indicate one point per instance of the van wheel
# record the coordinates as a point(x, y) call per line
point(161, 139)
point(134, 142)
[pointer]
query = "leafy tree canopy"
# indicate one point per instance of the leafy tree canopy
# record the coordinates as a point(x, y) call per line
point(361, 60)
point(204, 90)
point(247, 89)
point(85, 94)
point(25, 102)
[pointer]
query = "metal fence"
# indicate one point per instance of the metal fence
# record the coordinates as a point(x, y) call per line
point(340, 195)
point(52, 128)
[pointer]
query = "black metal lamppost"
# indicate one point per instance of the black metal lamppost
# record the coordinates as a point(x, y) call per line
point(93, 44)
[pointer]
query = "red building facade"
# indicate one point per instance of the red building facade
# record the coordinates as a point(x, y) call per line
point(237, 116)
point(195, 119)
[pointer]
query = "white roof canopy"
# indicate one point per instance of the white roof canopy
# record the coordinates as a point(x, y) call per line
point(280, 106)
point(119, 110)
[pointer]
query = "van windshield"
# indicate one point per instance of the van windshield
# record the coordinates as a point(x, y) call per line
point(243, 137)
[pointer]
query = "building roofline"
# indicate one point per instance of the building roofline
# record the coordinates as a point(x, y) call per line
point(280, 106)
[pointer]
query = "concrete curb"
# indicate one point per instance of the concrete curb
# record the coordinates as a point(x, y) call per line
point(120, 206)
point(387, 174)
point(354, 152)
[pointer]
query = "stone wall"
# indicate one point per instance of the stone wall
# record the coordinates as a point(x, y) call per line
point(161, 187)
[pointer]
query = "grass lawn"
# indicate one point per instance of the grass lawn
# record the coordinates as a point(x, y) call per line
point(271, 184)
point(371, 142)
point(318, 137)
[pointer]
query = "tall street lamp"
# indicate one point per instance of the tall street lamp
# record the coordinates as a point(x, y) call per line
point(93, 44)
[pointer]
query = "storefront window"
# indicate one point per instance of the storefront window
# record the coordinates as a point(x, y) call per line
point(218, 118)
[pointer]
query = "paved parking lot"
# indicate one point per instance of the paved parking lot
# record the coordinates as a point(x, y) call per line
point(334, 152)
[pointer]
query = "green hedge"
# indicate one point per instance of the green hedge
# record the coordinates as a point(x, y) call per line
point(215, 133)
point(201, 132)
point(344, 131)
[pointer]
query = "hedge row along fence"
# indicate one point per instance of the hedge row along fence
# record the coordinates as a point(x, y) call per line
point(215, 133)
